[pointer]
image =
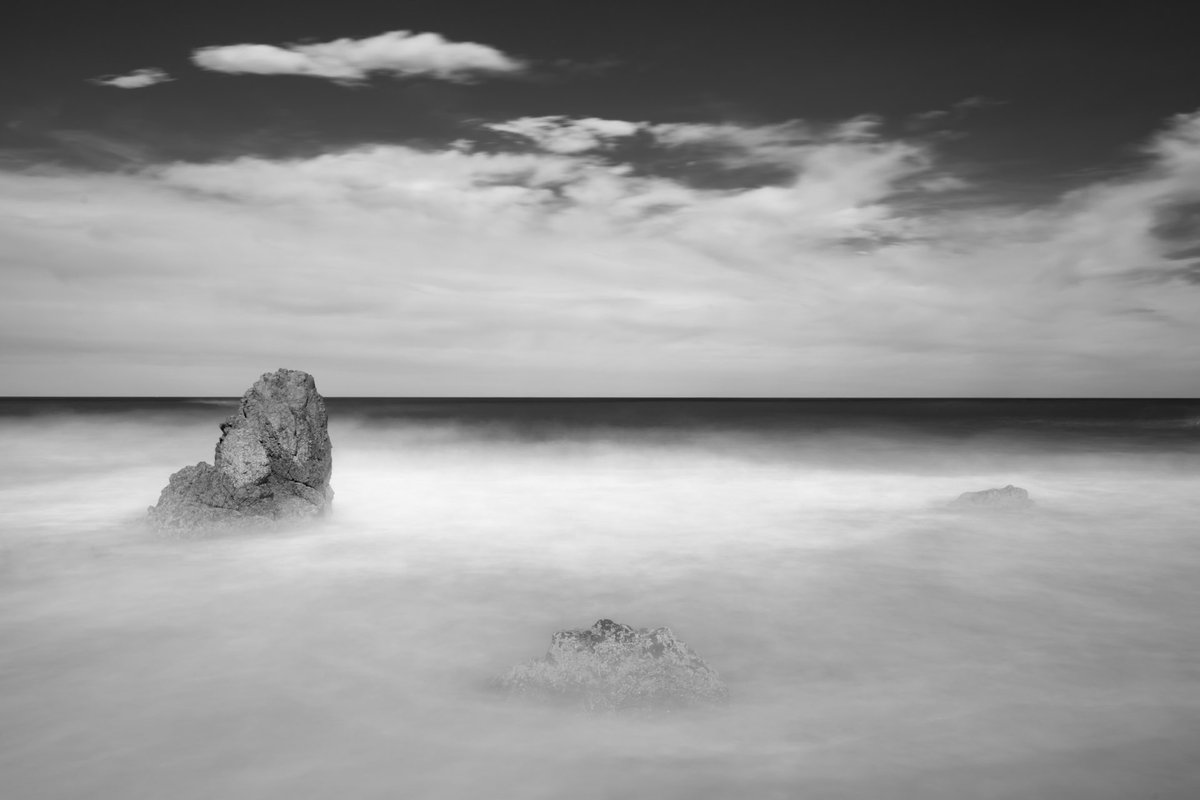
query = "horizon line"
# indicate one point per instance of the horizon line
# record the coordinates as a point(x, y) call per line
point(637, 398)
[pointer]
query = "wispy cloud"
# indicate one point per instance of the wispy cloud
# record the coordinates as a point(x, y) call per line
point(100, 151)
point(138, 79)
point(398, 53)
point(789, 146)
point(956, 113)
point(559, 134)
point(977, 102)
point(559, 269)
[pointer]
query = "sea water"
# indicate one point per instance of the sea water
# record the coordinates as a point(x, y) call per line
point(876, 644)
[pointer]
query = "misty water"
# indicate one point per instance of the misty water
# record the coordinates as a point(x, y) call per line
point(875, 643)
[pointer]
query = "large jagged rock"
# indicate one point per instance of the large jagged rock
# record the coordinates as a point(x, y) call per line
point(273, 462)
point(1009, 498)
point(611, 667)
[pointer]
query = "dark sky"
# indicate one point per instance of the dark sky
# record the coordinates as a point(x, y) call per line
point(1045, 146)
point(1074, 84)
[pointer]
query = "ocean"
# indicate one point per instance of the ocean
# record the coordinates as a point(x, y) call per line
point(876, 642)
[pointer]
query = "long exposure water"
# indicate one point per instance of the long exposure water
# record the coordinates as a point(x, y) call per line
point(876, 643)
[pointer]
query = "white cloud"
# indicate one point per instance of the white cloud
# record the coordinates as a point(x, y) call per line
point(393, 270)
point(561, 134)
point(794, 144)
point(352, 60)
point(138, 79)
point(558, 134)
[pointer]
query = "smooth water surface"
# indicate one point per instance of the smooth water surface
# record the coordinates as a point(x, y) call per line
point(876, 644)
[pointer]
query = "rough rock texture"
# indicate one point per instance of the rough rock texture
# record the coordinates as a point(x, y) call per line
point(273, 462)
point(1010, 497)
point(611, 666)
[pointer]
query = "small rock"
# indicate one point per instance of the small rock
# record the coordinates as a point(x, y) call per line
point(1010, 497)
point(273, 462)
point(610, 667)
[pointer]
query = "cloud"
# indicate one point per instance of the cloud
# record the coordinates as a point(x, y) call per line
point(99, 150)
point(976, 102)
point(397, 270)
point(766, 138)
point(790, 147)
point(838, 186)
point(138, 79)
point(956, 114)
point(559, 134)
point(400, 53)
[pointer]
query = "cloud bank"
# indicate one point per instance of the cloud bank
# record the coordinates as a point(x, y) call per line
point(561, 268)
point(138, 79)
point(398, 53)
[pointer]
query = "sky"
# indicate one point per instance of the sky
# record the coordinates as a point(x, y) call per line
point(644, 199)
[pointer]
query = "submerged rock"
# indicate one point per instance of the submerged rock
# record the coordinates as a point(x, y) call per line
point(273, 462)
point(1010, 497)
point(611, 666)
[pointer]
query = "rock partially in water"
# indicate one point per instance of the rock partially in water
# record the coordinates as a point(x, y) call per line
point(611, 667)
point(1008, 498)
point(273, 462)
